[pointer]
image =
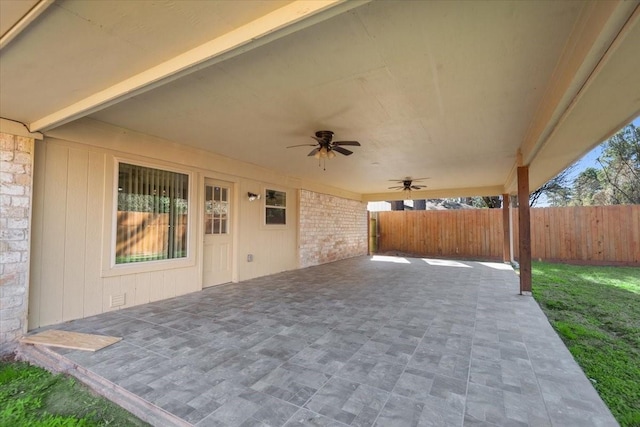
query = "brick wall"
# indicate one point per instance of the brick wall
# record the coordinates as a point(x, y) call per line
point(331, 228)
point(16, 180)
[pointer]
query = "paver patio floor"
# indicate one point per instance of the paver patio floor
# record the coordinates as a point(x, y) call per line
point(360, 342)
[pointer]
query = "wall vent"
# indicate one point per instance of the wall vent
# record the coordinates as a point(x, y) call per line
point(117, 300)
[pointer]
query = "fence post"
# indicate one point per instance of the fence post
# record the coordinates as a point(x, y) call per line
point(506, 230)
point(524, 222)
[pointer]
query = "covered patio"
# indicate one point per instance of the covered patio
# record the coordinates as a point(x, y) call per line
point(382, 341)
point(470, 98)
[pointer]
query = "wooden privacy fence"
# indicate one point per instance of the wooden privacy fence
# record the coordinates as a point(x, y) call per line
point(144, 234)
point(588, 234)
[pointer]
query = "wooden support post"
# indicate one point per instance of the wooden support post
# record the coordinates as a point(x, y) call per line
point(369, 248)
point(524, 232)
point(506, 252)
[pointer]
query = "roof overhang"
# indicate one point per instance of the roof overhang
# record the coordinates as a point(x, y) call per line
point(460, 92)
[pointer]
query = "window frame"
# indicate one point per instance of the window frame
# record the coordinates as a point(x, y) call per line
point(266, 206)
point(110, 268)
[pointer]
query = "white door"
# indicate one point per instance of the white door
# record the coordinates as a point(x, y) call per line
point(218, 229)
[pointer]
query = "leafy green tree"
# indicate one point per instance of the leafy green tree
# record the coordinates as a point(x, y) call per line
point(589, 188)
point(620, 161)
point(616, 182)
point(560, 197)
point(491, 202)
point(556, 190)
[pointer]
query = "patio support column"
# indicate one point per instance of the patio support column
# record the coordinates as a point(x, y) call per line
point(524, 224)
point(16, 192)
point(506, 252)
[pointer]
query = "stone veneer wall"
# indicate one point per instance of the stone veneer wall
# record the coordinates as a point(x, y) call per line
point(331, 228)
point(16, 183)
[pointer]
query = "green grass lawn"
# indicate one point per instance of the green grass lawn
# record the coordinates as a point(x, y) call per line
point(596, 312)
point(31, 396)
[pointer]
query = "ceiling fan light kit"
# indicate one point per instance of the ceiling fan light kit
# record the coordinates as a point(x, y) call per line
point(324, 153)
point(326, 148)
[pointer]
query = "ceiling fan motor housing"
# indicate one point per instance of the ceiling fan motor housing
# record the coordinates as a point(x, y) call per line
point(325, 135)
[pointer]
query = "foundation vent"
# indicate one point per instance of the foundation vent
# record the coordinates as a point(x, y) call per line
point(117, 300)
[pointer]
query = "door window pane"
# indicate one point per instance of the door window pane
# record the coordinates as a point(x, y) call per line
point(216, 210)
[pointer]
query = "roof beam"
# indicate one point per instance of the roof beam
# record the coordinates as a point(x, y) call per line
point(433, 194)
point(279, 23)
point(594, 33)
point(24, 22)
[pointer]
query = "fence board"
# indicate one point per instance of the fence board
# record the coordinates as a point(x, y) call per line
point(590, 234)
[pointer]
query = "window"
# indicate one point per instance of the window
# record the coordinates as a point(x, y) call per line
point(275, 207)
point(152, 214)
point(216, 210)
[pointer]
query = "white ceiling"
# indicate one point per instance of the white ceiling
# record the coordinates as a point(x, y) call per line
point(446, 90)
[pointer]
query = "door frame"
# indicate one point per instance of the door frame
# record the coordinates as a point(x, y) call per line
point(234, 222)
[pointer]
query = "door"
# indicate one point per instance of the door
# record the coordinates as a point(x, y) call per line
point(218, 229)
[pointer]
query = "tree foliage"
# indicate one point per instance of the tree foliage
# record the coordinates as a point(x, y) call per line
point(620, 163)
point(616, 182)
point(491, 202)
point(556, 190)
point(587, 188)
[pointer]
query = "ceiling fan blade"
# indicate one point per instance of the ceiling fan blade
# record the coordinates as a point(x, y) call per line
point(354, 143)
point(302, 145)
point(418, 179)
point(417, 187)
point(342, 151)
point(400, 187)
point(313, 152)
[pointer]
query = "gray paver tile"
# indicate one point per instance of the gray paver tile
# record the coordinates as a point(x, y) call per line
point(439, 412)
point(414, 384)
point(279, 347)
point(291, 383)
point(400, 412)
point(233, 413)
point(325, 359)
point(272, 412)
point(447, 387)
point(355, 343)
point(304, 418)
point(348, 402)
point(371, 371)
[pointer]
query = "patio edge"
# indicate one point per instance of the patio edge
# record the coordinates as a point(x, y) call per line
point(54, 362)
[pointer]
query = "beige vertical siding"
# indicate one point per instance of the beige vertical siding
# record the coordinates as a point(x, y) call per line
point(274, 248)
point(72, 217)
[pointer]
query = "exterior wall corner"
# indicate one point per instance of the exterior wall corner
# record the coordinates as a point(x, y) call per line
point(16, 192)
point(331, 228)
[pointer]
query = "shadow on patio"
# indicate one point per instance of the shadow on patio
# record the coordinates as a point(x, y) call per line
point(366, 341)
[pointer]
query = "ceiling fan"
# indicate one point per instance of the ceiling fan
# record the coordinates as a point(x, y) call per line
point(407, 184)
point(326, 148)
